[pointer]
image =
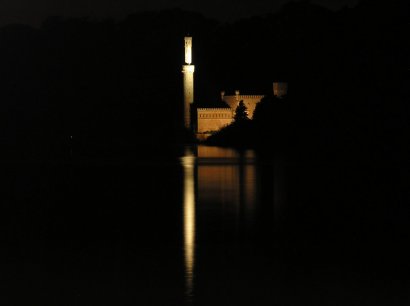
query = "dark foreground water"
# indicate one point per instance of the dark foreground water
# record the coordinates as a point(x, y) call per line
point(212, 226)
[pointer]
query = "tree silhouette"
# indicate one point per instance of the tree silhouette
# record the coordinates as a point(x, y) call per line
point(241, 113)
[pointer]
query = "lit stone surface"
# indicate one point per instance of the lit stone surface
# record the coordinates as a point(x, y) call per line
point(250, 102)
point(212, 119)
point(188, 50)
point(188, 73)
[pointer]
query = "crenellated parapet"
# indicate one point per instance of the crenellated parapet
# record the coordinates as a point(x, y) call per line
point(213, 109)
point(215, 113)
point(242, 97)
point(250, 101)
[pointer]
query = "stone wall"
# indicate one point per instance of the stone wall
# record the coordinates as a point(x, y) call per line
point(250, 102)
point(213, 119)
point(188, 72)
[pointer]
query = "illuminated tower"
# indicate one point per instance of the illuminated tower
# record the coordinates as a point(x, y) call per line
point(188, 72)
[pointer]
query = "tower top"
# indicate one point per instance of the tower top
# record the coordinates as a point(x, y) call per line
point(188, 50)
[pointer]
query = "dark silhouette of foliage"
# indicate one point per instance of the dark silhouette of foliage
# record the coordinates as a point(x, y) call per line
point(237, 134)
point(241, 113)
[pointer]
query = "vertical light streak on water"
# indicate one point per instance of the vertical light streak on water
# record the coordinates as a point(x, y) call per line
point(188, 163)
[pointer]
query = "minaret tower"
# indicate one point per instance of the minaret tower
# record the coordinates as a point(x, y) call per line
point(188, 72)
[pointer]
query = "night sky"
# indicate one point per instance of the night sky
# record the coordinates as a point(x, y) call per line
point(34, 12)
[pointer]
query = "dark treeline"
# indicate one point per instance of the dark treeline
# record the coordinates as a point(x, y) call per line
point(341, 132)
point(116, 86)
point(348, 74)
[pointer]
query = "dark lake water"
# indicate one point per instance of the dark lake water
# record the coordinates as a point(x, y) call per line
point(210, 226)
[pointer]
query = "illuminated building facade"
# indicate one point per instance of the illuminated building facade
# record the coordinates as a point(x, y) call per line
point(205, 120)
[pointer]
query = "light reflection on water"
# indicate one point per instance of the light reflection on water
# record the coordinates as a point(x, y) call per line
point(188, 163)
point(217, 181)
point(226, 232)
